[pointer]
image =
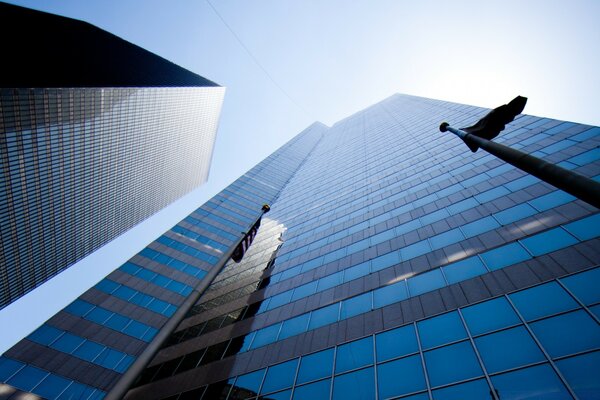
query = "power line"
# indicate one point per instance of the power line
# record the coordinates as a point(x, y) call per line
point(256, 60)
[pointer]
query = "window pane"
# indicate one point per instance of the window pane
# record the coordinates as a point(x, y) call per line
point(8, 367)
point(294, 326)
point(542, 300)
point(515, 213)
point(447, 238)
point(356, 305)
point(358, 385)
point(551, 200)
point(585, 286)
point(27, 378)
point(538, 382)
point(280, 376)
point(463, 270)
point(474, 390)
point(426, 282)
point(357, 271)
point(442, 329)
point(304, 290)
point(504, 256)
point(414, 250)
point(247, 385)
point(45, 335)
point(52, 386)
point(315, 366)
point(582, 374)
point(313, 391)
point(396, 343)
point(390, 294)
point(401, 376)
point(109, 358)
point(280, 299)
point(265, 336)
point(452, 363)
point(508, 349)
point(567, 333)
point(489, 315)
point(285, 395)
point(331, 280)
point(324, 316)
point(354, 354)
point(586, 228)
point(67, 343)
point(548, 241)
point(88, 350)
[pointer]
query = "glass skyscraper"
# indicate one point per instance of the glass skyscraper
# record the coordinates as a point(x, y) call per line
point(394, 263)
point(96, 135)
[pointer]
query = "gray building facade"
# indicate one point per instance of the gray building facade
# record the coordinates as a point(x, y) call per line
point(394, 263)
point(97, 138)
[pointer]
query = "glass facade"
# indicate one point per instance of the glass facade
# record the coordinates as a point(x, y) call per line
point(394, 263)
point(86, 158)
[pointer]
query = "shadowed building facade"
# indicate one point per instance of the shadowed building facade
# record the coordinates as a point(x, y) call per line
point(96, 135)
point(394, 263)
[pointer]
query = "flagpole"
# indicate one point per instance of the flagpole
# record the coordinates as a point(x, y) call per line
point(571, 182)
point(120, 389)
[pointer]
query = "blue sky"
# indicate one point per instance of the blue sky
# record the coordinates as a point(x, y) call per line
point(332, 58)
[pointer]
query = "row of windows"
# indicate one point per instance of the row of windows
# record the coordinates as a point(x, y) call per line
point(136, 297)
point(221, 220)
point(210, 228)
point(174, 263)
point(79, 347)
point(199, 238)
point(112, 320)
point(509, 339)
point(500, 257)
point(47, 385)
point(184, 248)
point(156, 278)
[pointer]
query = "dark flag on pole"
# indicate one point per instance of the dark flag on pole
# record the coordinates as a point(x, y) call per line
point(493, 123)
point(241, 248)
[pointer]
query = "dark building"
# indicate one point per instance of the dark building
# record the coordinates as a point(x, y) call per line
point(96, 135)
point(394, 263)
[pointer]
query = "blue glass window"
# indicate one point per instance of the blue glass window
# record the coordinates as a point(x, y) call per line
point(280, 376)
point(135, 329)
point(385, 261)
point(117, 322)
point(582, 374)
point(357, 271)
point(316, 366)
point(356, 305)
point(585, 228)
point(567, 333)
point(8, 367)
point(504, 256)
point(324, 316)
point(508, 349)
point(452, 363)
point(584, 136)
point(584, 286)
point(521, 183)
point(462, 205)
point(312, 391)
point(489, 315)
point(304, 290)
point(401, 376)
point(294, 326)
point(426, 282)
point(473, 390)
point(586, 157)
point(358, 385)
point(539, 382)
point(67, 343)
point(492, 194)
point(109, 358)
point(249, 383)
point(88, 350)
point(284, 395)
point(280, 299)
point(464, 269)
point(79, 307)
point(331, 280)
point(26, 378)
point(390, 294)
point(447, 238)
point(442, 329)
point(551, 200)
point(542, 300)
point(266, 336)
point(124, 363)
point(415, 250)
point(480, 226)
point(52, 386)
point(99, 315)
point(45, 335)
point(354, 354)
point(548, 241)
point(515, 213)
point(395, 343)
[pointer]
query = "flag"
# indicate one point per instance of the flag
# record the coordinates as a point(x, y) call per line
point(241, 248)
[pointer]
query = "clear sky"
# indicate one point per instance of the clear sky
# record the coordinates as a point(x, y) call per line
point(331, 58)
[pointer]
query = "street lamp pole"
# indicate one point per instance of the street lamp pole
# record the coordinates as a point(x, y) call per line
point(490, 126)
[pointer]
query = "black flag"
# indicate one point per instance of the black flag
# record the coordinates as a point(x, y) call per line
point(241, 248)
point(493, 123)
